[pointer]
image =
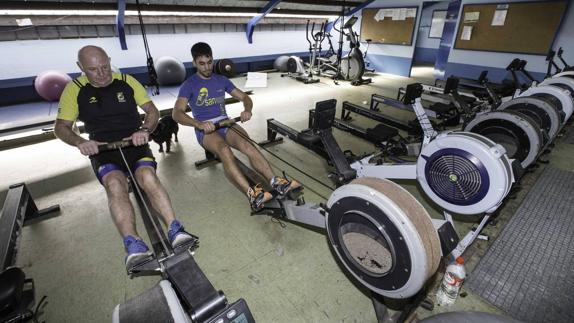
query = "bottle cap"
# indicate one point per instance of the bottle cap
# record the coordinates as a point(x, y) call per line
point(459, 260)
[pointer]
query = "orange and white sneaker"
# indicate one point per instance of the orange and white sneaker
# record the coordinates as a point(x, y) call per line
point(257, 197)
point(283, 185)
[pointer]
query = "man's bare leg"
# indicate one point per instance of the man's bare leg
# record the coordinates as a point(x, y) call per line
point(121, 208)
point(148, 181)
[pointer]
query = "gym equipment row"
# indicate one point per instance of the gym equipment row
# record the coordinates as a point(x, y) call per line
point(551, 63)
point(350, 68)
point(525, 124)
point(437, 169)
point(380, 233)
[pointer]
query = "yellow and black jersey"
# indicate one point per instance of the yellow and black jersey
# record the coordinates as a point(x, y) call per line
point(109, 113)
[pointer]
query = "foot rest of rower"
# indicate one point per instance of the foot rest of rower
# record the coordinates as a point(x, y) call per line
point(295, 193)
point(148, 266)
point(190, 245)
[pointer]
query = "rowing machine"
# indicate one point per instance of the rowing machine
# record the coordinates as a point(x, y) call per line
point(184, 294)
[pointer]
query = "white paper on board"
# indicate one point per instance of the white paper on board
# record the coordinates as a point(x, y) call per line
point(499, 17)
point(471, 16)
point(466, 33)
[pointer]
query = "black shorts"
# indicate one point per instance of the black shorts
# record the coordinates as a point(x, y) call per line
point(108, 161)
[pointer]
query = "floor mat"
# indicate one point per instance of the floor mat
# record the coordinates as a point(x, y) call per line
point(529, 270)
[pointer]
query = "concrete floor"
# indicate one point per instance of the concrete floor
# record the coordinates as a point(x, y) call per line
point(286, 273)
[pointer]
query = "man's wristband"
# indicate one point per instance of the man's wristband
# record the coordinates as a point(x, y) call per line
point(145, 129)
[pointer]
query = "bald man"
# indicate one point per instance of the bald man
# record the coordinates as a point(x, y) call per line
point(108, 103)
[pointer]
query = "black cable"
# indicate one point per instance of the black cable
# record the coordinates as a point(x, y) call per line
point(35, 313)
point(146, 207)
point(152, 73)
point(286, 162)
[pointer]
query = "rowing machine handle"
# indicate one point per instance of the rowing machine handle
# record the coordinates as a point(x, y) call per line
point(115, 145)
point(227, 123)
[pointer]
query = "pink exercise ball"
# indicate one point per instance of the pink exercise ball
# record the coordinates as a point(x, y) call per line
point(50, 84)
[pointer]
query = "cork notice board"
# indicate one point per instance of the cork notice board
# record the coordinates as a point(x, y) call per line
point(526, 27)
point(393, 26)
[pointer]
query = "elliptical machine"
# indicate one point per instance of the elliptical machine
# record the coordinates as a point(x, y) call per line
point(352, 66)
point(295, 65)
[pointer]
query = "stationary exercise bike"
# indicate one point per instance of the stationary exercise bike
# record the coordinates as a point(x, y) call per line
point(184, 294)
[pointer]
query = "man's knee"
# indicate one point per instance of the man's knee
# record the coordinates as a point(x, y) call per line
point(227, 152)
point(147, 177)
point(115, 183)
point(223, 151)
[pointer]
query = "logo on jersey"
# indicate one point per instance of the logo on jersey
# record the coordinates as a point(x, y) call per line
point(93, 100)
point(203, 99)
point(203, 93)
point(121, 97)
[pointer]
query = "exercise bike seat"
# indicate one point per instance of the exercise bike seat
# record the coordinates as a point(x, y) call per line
point(381, 133)
point(12, 283)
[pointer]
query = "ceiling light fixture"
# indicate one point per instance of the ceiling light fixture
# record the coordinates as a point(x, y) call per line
point(29, 13)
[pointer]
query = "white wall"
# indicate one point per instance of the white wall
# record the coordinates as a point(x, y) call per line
point(30, 57)
point(536, 63)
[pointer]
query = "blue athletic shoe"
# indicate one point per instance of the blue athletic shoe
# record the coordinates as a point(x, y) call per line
point(177, 235)
point(137, 250)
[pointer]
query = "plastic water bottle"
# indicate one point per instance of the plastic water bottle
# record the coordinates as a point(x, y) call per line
point(451, 283)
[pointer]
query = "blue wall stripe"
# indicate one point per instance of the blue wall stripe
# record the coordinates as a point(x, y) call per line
point(448, 34)
point(20, 90)
point(425, 55)
point(495, 74)
point(390, 64)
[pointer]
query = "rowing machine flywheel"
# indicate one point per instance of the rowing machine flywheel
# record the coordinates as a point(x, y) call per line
point(383, 236)
point(464, 172)
point(558, 95)
point(541, 109)
point(519, 134)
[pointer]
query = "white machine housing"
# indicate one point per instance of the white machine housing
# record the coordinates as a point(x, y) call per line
point(561, 94)
point(489, 159)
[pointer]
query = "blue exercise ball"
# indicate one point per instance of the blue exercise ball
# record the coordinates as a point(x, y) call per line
point(170, 71)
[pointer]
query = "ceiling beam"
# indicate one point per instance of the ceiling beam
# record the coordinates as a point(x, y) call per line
point(120, 27)
point(40, 21)
point(272, 4)
point(338, 3)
